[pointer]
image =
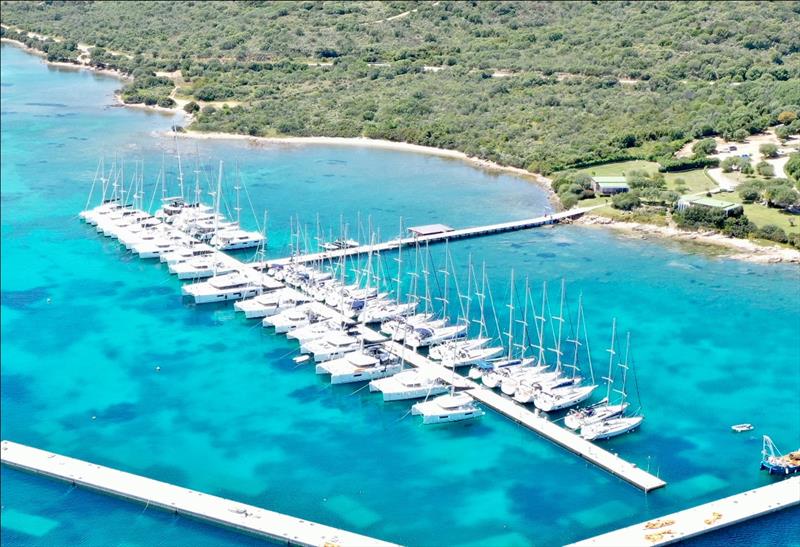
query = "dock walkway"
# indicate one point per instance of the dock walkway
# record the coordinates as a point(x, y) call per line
point(703, 518)
point(463, 233)
point(544, 427)
point(220, 511)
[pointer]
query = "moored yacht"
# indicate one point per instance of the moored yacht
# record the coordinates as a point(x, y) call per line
point(362, 365)
point(452, 407)
point(270, 303)
point(409, 384)
point(220, 288)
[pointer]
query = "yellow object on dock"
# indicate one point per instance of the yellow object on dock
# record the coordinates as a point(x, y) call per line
point(704, 518)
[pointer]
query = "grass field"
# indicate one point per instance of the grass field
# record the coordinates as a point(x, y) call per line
point(695, 180)
point(761, 215)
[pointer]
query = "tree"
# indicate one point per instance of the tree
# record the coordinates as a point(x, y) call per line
point(749, 191)
point(568, 200)
point(728, 164)
point(740, 135)
point(704, 147)
point(783, 197)
point(792, 167)
point(787, 117)
point(166, 102)
point(768, 150)
point(739, 226)
point(191, 107)
point(765, 169)
point(626, 201)
point(746, 167)
point(782, 132)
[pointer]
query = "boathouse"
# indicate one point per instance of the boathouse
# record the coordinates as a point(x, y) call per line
point(608, 186)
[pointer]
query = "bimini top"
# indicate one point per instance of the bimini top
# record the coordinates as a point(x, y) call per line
point(430, 229)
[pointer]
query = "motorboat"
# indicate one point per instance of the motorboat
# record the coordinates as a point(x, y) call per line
point(370, 363)
point(270, 303)
point(220, 288)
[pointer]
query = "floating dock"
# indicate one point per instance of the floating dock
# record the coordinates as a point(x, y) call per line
point(703, 518)
point(213, 509)
point(539, 424)
point(463, 233)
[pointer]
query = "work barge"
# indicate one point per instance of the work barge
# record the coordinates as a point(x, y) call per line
point(215, 510)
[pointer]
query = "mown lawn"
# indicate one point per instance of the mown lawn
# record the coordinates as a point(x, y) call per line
point(761, 215)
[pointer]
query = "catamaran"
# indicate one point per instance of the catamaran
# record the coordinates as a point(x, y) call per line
point(270, 303)
point(331, 346)
point(299, 316)
point(409, 384)
point(221, 288)
point(366, 364)
point(452, 407)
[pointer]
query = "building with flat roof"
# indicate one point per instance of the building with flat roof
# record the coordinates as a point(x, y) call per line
point(608, 186)
point(730, 208)
point(429, 229)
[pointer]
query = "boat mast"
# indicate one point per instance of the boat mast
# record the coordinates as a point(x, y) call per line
point(524, 345)
point(482, 304)
point(577, 340)
point(560, 320)
point(399, 259)
point(541, 319)
point(238, 188)
point(180, 167)
point(510, 333)
point(624, 367)
point(611, 353)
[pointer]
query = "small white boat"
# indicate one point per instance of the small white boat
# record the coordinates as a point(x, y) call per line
point(409, 384)
point(315, 331)
point(470, 356)
point(610, 428)
point(299, 316)
point(741, 428)
point(497, 371)
point(452, 407)
point(339, 244)
point(378, 311)
point(393, 326)
point(186, 253)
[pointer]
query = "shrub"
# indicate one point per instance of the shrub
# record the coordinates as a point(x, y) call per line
point(568, 200)
point(749, 191)
point(686, 164)
point(772, 233)
point(166, 102)
point(191, 107)
point(764, 169)
point(626, 201)
point(768, 150)
point(739, 227)
point(704, 147)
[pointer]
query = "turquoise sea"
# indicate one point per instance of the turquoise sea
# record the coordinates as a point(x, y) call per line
point(84, 325)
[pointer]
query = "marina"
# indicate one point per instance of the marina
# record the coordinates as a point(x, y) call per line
point(182, 501)
point(704, 518)
point(199, 396)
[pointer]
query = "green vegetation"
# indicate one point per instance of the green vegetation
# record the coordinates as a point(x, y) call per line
point(768, 150)
point(765, 169)
point(704, 147)
point(540, 85)
point(792, 168)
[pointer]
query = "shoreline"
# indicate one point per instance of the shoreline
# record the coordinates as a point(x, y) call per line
point(737, 249)
point(364, 142)
point(64, 64)
point(740, 249)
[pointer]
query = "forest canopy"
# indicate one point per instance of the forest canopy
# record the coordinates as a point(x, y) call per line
point(539, 85)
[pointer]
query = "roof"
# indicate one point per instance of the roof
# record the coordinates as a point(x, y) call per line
point(430, 229)
point(716, 203)
point(609, 185)
point(611, 180)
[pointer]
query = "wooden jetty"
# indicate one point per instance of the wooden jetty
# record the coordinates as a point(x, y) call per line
point(213, 509)
point(537, 423)
point(463, 233)
point(703, 518)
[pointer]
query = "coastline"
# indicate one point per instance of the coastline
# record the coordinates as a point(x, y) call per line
point(739, 249)
point(736, 249)
point(365, 142)
point(63, 64)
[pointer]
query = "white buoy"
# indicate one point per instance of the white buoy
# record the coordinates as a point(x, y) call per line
point(94, 417)
point(158, 368)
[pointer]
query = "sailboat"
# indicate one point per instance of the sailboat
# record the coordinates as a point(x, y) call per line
point(602, 410)
point(619, 423)
point(775, 462)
